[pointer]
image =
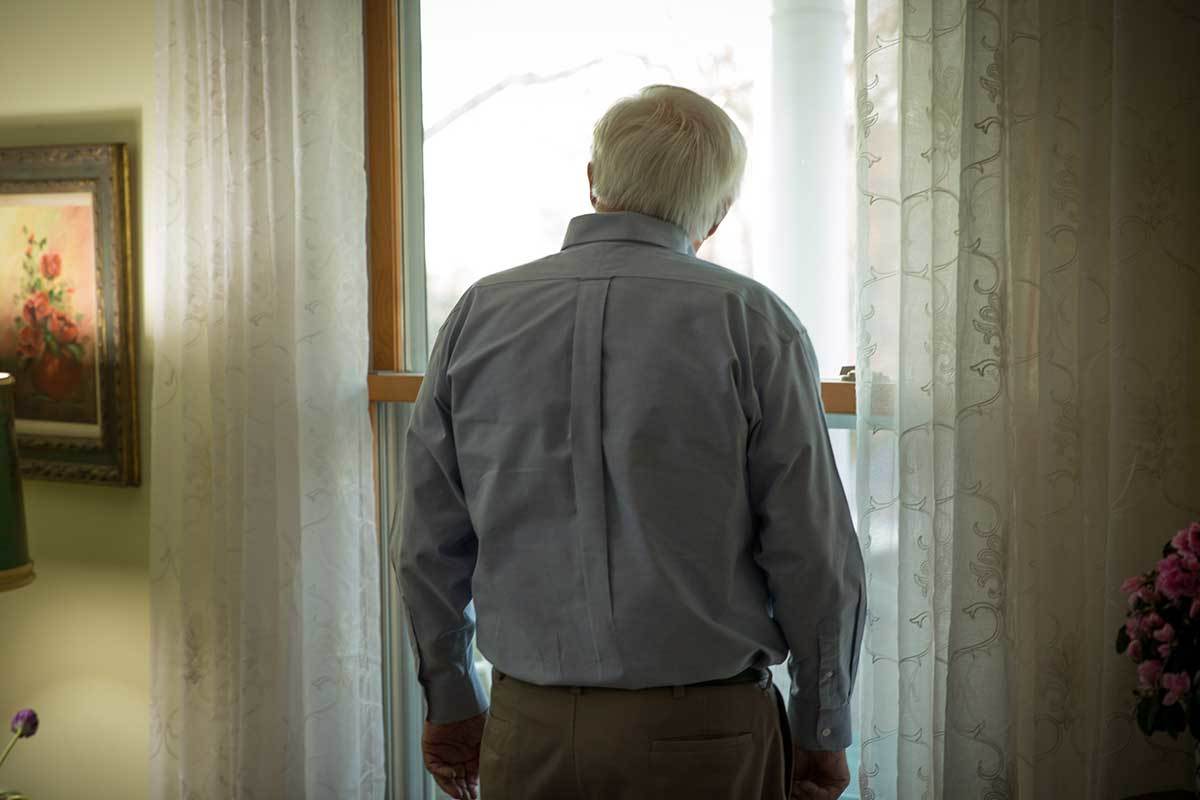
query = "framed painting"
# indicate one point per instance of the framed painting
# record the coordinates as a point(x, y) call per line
point(67, 311)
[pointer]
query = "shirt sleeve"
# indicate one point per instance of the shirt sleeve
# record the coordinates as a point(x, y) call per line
point(437, 553)
point(806, 543)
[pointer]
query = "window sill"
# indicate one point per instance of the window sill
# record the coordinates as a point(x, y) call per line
point(402, 387)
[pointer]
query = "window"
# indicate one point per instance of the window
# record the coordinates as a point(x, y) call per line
point(510, 91)
point(479, 131)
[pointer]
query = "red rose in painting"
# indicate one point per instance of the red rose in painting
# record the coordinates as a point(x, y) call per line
point(64, 329)
point(36, 309)
point(30, 342)
point(50, 342)
point(51, 265)
point(41, 306)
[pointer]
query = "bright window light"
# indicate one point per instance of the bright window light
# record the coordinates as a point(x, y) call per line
point(510, 92)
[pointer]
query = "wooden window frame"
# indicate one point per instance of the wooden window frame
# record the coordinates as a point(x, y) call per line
point(402, 387)
point(385, 231)
point(387, 381)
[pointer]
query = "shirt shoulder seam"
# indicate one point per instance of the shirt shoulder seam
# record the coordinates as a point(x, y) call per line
point(741, 293)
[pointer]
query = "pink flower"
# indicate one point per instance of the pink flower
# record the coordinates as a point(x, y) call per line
point(1150, 623)
point(1164, 651)
point(1177, 685)
point(1134, 650)
point(1188, 539)
point(1147, 595)
point(1131, 585)
point(1195, 610)
point(1148, 673)
point(1180, 541)
point(51, 265)
point(1175, 580)
point(1131, 626)
point(1165, 634)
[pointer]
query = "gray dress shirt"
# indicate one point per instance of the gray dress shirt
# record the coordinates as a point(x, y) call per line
point(619, 453)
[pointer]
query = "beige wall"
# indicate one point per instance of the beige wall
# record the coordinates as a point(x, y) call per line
point(75, 644)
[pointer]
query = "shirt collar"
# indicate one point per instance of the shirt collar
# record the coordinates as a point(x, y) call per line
point(627, 226)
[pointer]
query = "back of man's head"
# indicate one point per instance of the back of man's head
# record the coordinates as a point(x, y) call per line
point(669, 153)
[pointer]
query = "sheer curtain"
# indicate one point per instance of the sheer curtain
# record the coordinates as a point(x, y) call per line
point(264, 564)
point(1029, 351)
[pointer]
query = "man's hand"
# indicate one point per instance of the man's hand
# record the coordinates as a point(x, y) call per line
point(452, 755)
point(819, 775)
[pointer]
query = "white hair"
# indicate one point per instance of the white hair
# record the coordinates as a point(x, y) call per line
point(669, 153)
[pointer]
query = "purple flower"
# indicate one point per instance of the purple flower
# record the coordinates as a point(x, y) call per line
point(1134, 650)
point(1177, 685)
point(25, 723)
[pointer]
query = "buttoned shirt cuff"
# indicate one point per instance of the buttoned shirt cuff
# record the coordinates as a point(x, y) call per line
point(454, 697)
point(817, 729)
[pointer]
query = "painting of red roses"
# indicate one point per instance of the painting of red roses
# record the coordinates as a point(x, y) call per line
point(48, 334)
point(67, 323)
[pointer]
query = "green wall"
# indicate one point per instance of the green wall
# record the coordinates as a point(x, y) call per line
point(75, 644)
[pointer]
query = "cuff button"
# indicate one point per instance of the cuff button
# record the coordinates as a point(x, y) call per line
point(826, 733)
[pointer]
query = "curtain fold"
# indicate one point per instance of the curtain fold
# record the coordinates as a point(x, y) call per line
point(265, 596)
point(1029, 362)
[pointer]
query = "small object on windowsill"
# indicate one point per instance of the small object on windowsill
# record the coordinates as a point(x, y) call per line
point(847, 374)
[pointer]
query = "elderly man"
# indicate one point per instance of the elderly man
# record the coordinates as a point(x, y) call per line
point(619, 454)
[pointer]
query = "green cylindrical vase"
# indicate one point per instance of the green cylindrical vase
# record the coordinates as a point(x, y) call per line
point(16, 568)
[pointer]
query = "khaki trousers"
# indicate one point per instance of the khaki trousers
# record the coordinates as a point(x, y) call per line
point(563, 743)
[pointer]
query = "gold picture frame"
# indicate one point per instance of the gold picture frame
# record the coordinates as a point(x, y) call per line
point(68, 310)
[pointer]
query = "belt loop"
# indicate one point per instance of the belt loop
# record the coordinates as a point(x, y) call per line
point(677, 691)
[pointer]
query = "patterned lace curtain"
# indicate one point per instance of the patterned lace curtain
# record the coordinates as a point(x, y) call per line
point(1029, 358)
point(264, 564)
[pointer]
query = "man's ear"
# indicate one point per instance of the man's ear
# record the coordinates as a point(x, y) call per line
point(720, 219)
point(591, 194)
